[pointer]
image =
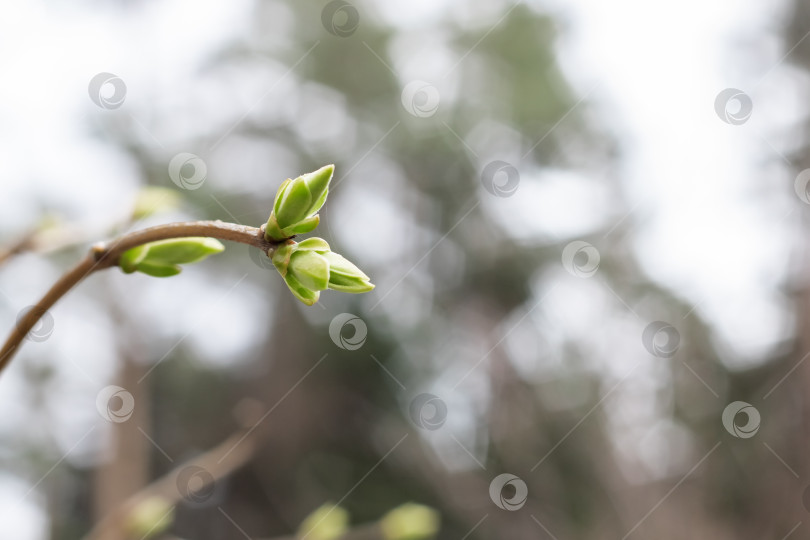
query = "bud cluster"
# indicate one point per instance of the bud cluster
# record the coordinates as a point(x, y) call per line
point(310, 266)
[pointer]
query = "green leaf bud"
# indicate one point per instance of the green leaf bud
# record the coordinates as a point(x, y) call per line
point(304, 226)
point(329, 522)
point(344, 276)
point(153, 199)
point(318, 184)
point(313, 244)
point(150, 518)
point(296, 203)
point(311, 266)
point(162, 258)
point(410, 522)
point(307, 296)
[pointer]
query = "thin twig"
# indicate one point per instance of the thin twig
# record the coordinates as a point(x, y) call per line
point(218, 462)
point(22, 244)
point(48, 240)
point(69, 280)
point(106, 255)
point(244, 234)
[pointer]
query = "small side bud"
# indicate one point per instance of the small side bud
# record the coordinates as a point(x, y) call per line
point(164, 257)
point(410, 522)
point(150, 518)
point(152, 200)
point(328, 522)
point(344, 276)
point(311, 269)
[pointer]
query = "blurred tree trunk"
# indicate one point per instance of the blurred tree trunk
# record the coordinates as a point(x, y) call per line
point(126, 470)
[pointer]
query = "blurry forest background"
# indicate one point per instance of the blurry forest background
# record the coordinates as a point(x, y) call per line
point(581, 262)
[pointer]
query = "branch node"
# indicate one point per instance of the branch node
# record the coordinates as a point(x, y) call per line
point(98, 250)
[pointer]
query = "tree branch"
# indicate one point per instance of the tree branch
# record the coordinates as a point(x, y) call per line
point(106, 255)
point(218, 462)
point(21, 245)
point(54, 238)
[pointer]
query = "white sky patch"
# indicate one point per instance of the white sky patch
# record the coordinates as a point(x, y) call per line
point(22, 517)
point(692, 178)
point(555, 203)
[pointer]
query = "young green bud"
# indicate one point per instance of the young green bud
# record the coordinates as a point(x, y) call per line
point(328, 522)
point(310, 267)
point(162, 258)
point(410, 522)
point(307, 296)
point(345, 276)
point(152, 200)
point(150, 518)
point(297, 201)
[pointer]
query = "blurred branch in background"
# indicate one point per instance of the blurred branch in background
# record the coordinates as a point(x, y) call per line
point(54, 233)
point(125, 468)
point(167, 490)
